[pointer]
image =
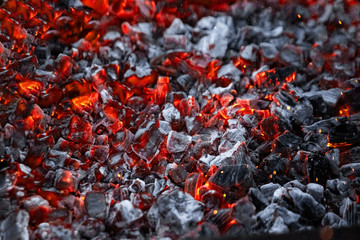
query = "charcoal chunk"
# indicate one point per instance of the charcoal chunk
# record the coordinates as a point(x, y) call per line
point(349, 212)
point(316, 191)
point(95, 204)
point(268, 51)
point(177, 210)
point(267, 216)
point(287, 143)
point(177, 142)
point(123, 213)
point(258, 199)
point(307, 205)
point(268, 189)
point(318, 169)
point(344, 133)
point(237, 178)
point(333, 220)
point(204, 231)
point(279, 226)
point(15, 226)
point(244, 212)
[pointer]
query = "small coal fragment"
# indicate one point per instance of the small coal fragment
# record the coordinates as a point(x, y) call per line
point(316, 191)
point(333, 220)
point(306, 205)
point(244, 212)
point(349, 212)
point(318, 169)
point(344, 133)
point(287, 143)
point(233, 178)
point(205, 230)
point(123, 213)
point(95, 204)
point(177, 210)
point(177, 142)
point(15, 226)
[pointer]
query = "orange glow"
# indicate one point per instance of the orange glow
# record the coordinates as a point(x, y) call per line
point(291, 77)
point(336, 145)
point(29, 87)
point(344, 111)
point(215, 212)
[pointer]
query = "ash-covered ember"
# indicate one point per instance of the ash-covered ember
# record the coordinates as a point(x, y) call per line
point(178, 119)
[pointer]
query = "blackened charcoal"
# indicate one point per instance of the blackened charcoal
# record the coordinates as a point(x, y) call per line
point(170, 113)
point(279, 226)
point(90, 228)
point(229, 71)
point(344, 133)
point(244, 212)
point(340, 187)
point(285, 98)
point(319, 105)
point(54, 231)
point(15, 226)
point(351, 169)
point(287, 143)
point(333, 220)
point(64, 180)
point(318, 168)
point(123, 213)
point(352, 98)
point(316, 191)
point(203, 231)
point(42, 54)
point(350, 156)
point(221, 218)
point(147, 140)
point(184, 82)
point(349, 212)
point(95, 204)
point(192, 183)
point(268, 51)
point(330, 97)
point(276, 166)
point(177, 210)
point(216, 41)
point(291, 54)
point(257, 198)
point(177, 142)
point(267, 216)
point(177, 27)
point(307, 205)
point(250, 53)
point(332, 157)
point(5, 204)
point(296, 184)
point(299, 162)
point(316, 143)
point(237, 178)
point(268, 189)
point(178, 174)
point(303, 115)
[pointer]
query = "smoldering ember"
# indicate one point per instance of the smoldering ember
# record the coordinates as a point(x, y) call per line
point(170, 119)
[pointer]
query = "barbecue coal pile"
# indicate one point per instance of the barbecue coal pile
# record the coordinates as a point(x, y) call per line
point(170, 119)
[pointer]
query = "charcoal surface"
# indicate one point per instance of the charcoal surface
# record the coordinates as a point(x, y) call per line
point(176, 210)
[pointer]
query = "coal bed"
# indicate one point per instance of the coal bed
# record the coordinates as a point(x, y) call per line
point(171, 119)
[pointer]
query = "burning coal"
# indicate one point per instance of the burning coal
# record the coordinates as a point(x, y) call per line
point(178, 119)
